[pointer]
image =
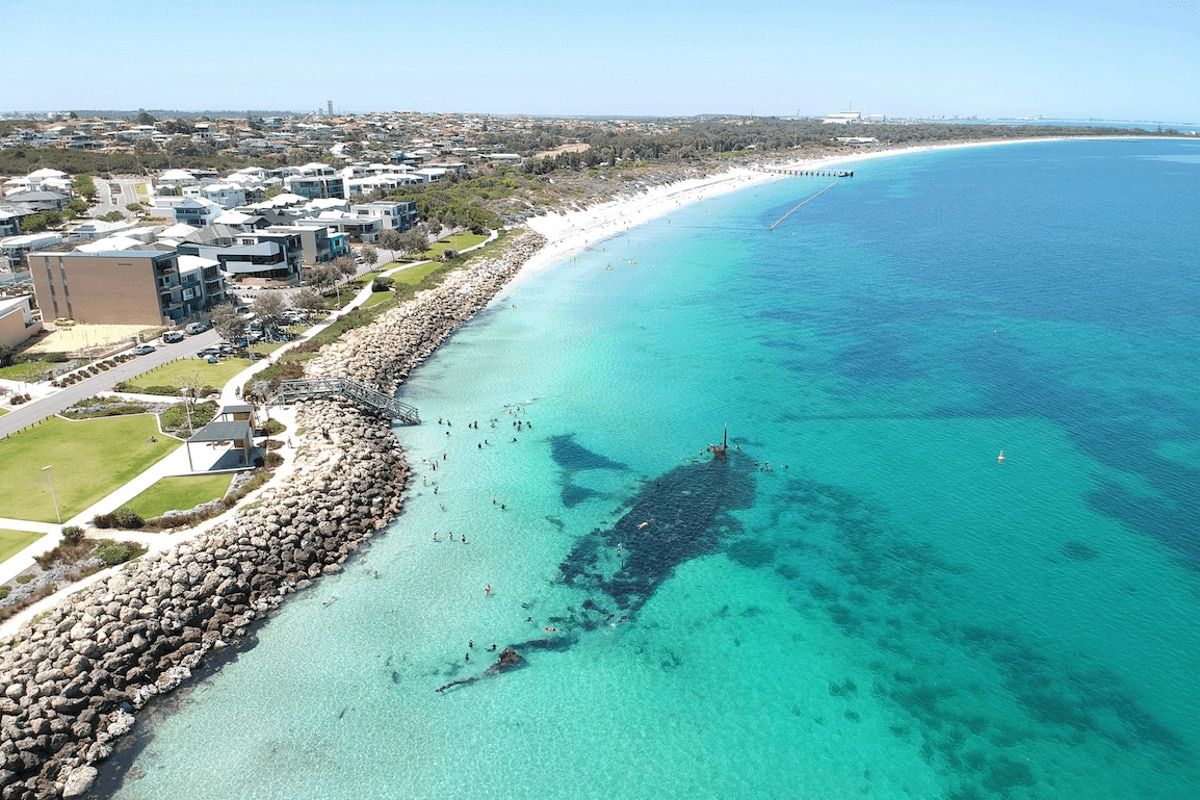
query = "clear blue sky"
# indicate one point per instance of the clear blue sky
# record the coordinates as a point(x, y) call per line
point(1061, 58)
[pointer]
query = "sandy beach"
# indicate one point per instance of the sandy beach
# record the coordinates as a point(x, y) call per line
point(571, 231)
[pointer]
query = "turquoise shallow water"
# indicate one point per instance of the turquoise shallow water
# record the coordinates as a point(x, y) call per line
point(887, 612)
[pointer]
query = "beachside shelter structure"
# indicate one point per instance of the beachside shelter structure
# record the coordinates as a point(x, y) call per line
point(239, 432)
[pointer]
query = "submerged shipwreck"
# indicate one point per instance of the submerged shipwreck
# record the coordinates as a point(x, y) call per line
point(680, 515)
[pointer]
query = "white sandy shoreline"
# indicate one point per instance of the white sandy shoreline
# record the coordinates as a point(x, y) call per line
point(571, 231)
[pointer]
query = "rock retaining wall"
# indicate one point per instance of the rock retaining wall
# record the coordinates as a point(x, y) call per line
point(70, 686)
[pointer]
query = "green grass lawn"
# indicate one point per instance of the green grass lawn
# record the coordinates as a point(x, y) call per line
point(90, 459)
point(414, 275)
point(175, 372)
point(459, 241)
point(180, 494)
point(378, 297)
point(29, 372)
point(3, 411)
point(13, 542)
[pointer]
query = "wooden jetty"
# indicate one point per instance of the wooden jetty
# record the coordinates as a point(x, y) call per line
point(809, 173)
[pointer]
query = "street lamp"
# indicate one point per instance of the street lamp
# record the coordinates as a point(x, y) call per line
point(54, 497)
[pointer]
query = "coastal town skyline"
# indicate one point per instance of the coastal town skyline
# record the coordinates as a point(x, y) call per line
point(922, 60)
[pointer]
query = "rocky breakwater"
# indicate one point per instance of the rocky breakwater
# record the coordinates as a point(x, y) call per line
point(386, 351)
point(71, 684)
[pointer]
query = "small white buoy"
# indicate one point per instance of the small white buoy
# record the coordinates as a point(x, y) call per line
point(1000, 458)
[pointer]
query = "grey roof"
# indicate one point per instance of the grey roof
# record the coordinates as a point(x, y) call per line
point(34, 197)
point(222, 432)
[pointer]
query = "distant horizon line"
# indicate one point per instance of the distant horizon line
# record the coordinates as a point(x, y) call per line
point(247, 113)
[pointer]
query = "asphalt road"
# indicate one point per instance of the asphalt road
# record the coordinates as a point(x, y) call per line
point(30, 413)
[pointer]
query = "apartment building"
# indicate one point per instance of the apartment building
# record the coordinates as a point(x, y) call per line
point(143, 287)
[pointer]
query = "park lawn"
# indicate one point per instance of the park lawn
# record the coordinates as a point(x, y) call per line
point(180, 494)
point(29, 372)
point(459, 242)
point(414, 275)
point(13, 542)
point(3, 411)
point(378, 297)
point(174, 373)
point(90, 459)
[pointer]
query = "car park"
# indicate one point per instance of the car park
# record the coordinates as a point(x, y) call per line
point(143, 349)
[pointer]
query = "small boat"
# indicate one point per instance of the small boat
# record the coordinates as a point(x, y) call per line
point(1000, 458)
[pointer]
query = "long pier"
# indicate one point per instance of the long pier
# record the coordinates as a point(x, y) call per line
point(377, 401)
point(777, 222)
point(810, 173)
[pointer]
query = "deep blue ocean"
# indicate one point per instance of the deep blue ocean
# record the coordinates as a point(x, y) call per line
point(862, 600)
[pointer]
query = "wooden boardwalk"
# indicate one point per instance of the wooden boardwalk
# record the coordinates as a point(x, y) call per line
point(311, 388)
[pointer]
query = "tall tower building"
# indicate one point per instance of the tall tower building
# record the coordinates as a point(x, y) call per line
point(329, 106)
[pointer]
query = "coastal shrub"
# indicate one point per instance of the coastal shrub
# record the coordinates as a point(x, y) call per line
point(4, 592)
point(24, 579)
point(274, 427)
point(128, 519)
point(382, 284)
point(72, 534)
point(64, 553)
point(104, 521)
point(175, 418)
point(272, 460)
point(110, 552)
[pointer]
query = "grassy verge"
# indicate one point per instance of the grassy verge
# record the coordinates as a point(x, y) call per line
point(90, 459)
point(459, 241)
point(179, 494)
point(377, 297)
point(29, 372)
point(176, 373)
point(13, 542)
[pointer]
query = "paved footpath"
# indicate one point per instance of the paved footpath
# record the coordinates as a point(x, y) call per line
point(175, 463)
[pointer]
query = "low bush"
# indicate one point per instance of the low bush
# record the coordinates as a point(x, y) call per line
point(110, 552)
point(128, 519)
point(72, 534)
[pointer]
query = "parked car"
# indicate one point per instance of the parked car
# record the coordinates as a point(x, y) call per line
point(197, 327)
point(143, 349)
point(171, 337)
point(209, 352)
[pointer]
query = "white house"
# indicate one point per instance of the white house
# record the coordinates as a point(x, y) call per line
point(226, 195)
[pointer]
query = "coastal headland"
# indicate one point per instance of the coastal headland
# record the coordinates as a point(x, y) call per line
point(74, 680)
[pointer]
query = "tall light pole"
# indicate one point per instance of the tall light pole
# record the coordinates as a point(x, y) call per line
point(54, 497)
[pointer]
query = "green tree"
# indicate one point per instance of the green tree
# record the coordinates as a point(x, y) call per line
point(307, 300)
point(389, 239)
point(85, 186)
point(268, 308)
point(412, 241)
point(228, 322)
point(145, 118)
point(370, 255)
